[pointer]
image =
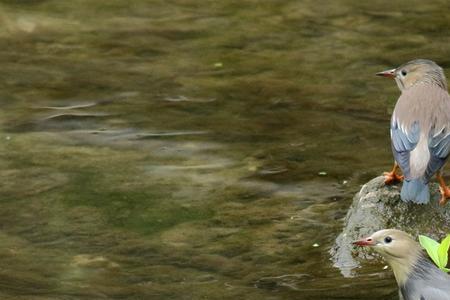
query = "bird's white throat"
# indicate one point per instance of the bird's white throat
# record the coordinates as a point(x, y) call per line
point(402, 267)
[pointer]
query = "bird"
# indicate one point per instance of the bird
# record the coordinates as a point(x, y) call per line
point(420, 129)
point(417, 277)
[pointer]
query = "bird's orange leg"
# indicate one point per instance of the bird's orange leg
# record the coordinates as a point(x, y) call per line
point(391, 177)
point(445, 190)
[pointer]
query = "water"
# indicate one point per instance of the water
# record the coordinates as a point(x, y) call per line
point(172, 149)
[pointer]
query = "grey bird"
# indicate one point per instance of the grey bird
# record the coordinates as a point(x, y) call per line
point(417, 277)
point(420, 129)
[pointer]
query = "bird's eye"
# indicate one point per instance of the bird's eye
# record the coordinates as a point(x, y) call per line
point(387, 239)
point(404, 72)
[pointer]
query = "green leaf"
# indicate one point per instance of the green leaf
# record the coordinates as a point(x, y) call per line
point(443, 252)
point(431, 246)
point(445, 270)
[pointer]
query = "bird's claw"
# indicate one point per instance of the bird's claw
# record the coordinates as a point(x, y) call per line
point(391, 178)
point(445, 195)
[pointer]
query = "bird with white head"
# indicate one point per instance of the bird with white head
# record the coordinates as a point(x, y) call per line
point(420, 129)
point(417, 277)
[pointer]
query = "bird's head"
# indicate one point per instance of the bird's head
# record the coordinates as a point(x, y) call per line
point(392, 244)
point(417, 71)
point(398, 248)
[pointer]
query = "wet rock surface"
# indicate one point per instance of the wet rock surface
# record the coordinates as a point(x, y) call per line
point(377, 206)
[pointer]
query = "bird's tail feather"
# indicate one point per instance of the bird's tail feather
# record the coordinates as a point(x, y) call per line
point(415, 190)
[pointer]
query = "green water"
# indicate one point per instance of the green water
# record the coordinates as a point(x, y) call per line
point(172, 149)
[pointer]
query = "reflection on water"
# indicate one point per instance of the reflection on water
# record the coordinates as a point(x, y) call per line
point(195, 150)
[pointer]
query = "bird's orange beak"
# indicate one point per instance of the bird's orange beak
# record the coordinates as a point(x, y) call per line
point(387, 73)
point(365, 242)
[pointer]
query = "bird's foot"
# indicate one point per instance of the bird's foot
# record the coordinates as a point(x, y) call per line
point(391, 178)
point(445, 195)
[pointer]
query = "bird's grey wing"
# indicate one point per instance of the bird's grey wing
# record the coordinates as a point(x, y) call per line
point(427, 282)
point(439, 145)
point(431, 293)
point(404, 140)
point(439, 136)
point(435, 287)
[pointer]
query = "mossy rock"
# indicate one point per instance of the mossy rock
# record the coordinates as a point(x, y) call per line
point(378, 206)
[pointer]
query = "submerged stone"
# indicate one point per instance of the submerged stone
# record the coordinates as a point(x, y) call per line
point(91, 261)
point(377, 206)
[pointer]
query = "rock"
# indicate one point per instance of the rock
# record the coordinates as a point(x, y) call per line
point(378, 206)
